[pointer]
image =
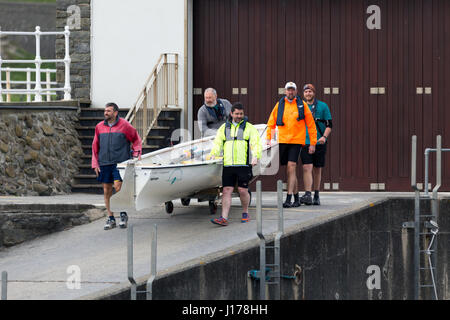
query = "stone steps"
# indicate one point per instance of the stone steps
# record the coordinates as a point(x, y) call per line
point(85, 181)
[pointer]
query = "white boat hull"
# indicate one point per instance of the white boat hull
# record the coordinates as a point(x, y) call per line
point(172, 173)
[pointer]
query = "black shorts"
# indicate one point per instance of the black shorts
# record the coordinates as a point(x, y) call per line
point(109, 174)
point(239, 175)
point(289, 152)
point(317, 159)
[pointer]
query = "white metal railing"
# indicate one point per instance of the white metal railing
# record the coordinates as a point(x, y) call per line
point(9, 83)
point(38, 61)
point(160, 90)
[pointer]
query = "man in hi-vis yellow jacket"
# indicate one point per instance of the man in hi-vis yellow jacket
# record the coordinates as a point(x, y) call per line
point(241, 147)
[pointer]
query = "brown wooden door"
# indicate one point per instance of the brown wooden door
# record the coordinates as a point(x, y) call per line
point(247, 49)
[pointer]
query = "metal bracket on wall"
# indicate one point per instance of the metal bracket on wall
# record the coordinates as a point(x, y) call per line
point(377, 90)
point(328, 90)
point(408, 225)
point(130, 245)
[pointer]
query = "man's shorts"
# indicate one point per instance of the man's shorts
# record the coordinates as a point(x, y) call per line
point(241, 175)
point(109, 174)
point(289, 152)
point(317, 158)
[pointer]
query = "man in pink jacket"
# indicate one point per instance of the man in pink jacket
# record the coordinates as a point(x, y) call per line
point(111, 146)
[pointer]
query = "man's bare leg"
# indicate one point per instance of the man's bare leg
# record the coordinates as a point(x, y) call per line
point(308, 182)
point(107, 193)
point(226, 201)
point(245, 198)
point(292, 183)
point(317, 173)
point(308, 176)
point(117, 185)
point(291, 172)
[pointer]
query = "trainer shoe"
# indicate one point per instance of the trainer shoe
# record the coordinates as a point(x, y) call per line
point(220, 221)
point(245, 217)
point(296, 204)
point(316, 201)
point(110, 224)
point(287, 204)
point(306, 199)
point(123, 220)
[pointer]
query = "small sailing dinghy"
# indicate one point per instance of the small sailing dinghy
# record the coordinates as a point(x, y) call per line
point(183, 171)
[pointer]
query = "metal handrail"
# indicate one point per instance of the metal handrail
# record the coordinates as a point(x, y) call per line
point(160, 91)
point(38, 61)
point(427, 155)
point(434, 212)
point(416, 215)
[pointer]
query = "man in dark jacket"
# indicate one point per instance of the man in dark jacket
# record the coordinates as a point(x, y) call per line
point(213, 113)
point(111, 146)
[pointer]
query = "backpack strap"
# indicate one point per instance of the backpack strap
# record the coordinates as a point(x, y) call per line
point(300, 108)
point(221, 111)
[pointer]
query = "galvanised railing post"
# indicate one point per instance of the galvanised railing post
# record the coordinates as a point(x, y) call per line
point(153, 268)
point(4, 285)
point(262, 243)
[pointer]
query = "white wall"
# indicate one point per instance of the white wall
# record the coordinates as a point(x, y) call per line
point(127, 40)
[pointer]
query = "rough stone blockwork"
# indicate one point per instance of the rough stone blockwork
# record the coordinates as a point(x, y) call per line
point(80, 45)
point(39, 152)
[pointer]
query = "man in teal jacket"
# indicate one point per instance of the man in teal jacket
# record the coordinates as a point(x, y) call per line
point(313, 163)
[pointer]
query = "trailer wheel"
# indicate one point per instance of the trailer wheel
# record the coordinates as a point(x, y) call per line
point(212, 207)
point(169, 207)
point(185, 201)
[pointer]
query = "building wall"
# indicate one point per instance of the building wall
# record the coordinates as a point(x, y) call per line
point(346, 49)
point(77, 15)
point(127, 40)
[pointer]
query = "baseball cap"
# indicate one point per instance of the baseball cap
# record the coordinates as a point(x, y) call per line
point(309, 86)
point(290, 85)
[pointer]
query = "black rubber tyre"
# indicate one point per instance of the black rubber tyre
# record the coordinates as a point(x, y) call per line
point(169, 207)
point(212, 207)
point(185, 201)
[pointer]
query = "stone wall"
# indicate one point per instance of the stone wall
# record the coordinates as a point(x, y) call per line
point(80, 47)
point(39, 150)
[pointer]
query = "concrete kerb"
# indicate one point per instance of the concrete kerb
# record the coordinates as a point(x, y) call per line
point(234, 250)
point(36, 216)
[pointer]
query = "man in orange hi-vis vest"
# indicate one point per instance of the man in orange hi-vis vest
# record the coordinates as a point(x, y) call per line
point(293, 118)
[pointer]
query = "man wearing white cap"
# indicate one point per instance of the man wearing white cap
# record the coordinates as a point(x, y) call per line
point(294, 119)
